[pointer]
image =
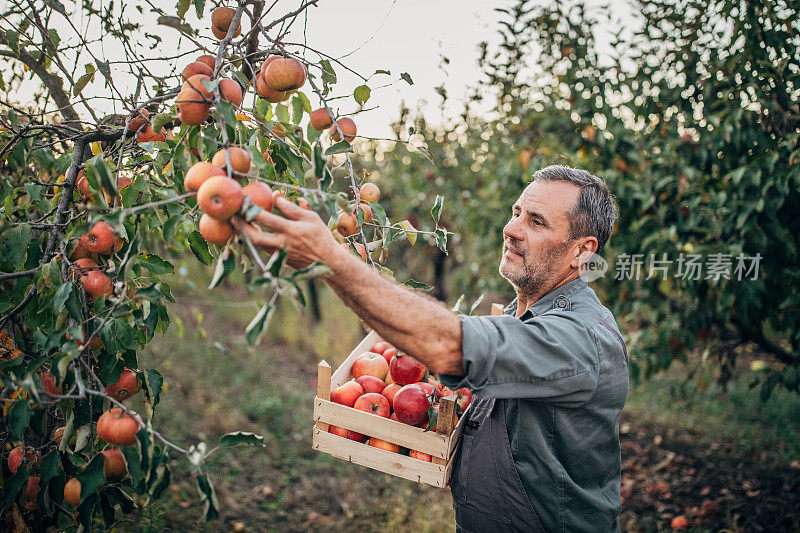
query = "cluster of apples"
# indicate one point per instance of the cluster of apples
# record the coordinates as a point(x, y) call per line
point(221, 197)
point(99, 241)
point(392, 384)
point(114, 427)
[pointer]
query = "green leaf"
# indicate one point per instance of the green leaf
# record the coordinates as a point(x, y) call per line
point(105, 69)
point(361, 94)
point(209, 497)
point(92, 477)
point(12, 486)
point(339, 148)
point(382, 71)
point(433, 419)
point(410, 232)
point(183, 7)
point(259, 323)
point(304, 99)
point(241, 438)
point(319, 161)
point(282, 113)
point(226, 109)
point(85, 79)
point(418, 285)
point(98, 168)
point(50, 467)
point(13, 41)
point(158, 121)
point(379, 213)
point(155, 264)
point(328, 74)
point(19, 417)
point(14, 245)
point(199, 248)
point(199, 7)
point(436, 211)
point(61, 296)
point(407, 78)
point(297, 109)
point(154, 382)
point(225, 265)
point(441, 239)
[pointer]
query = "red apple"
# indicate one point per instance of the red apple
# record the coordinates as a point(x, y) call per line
point(371, 384)
point(394, 417)
point(374, 403)
point(446, 391)
point(430, 390)
point(419, 455)
point(406, 369)
point(370, 364)
point(381, 347)
point(347, 394)
point(389, 353)
point(389, 391)
point(346, 433)
point(383, 445)
point(411, 404)
point(464, 398)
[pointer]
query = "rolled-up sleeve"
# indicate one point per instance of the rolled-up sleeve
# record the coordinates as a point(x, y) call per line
point(552, 357)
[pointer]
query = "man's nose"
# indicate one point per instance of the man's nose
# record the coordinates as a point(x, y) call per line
point(513, 229)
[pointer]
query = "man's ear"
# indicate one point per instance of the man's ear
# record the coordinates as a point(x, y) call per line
point(584, 251)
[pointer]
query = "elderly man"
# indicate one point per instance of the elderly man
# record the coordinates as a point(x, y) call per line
point(540, 451)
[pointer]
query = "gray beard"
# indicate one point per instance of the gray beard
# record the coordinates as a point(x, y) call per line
point(533, 277)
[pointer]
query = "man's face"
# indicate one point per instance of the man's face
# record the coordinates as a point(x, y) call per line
point(536, 240)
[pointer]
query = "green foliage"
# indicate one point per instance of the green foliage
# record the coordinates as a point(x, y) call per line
point(693, 122)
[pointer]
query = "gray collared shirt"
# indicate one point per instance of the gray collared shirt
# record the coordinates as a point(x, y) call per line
point(566, 378)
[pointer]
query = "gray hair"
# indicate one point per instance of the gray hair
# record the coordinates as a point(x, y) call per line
point(595, 212)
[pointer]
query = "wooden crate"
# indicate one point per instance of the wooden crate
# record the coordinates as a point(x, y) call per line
point(440, 444)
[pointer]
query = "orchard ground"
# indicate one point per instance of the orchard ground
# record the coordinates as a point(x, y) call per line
point(726, 461)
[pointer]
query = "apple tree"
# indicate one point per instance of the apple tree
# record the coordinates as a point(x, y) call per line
point(127, 140)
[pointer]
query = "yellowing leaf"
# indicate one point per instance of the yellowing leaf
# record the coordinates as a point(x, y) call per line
point(409, 231)
point(96, 148)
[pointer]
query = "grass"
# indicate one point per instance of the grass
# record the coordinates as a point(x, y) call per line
point(736, 415)
point(216, 383)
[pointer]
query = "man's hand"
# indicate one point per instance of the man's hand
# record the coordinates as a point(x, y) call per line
point(303, 234)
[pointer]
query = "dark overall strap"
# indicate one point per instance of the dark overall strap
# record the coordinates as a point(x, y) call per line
point(488, 495)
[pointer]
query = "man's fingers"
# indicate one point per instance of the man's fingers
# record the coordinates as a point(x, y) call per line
point(272, 221)
point(259, 238)
point(290, 209)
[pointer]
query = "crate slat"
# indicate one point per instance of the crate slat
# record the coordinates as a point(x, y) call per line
point(377, 459)
point(382, 428)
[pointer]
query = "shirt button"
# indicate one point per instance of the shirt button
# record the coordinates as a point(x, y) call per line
point(562, 302)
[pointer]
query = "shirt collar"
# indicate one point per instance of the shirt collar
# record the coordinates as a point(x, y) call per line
point(558, 298)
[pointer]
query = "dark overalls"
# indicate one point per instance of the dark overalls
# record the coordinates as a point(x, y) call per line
point(488, 494)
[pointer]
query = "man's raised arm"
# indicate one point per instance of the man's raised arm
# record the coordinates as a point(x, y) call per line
point(415, 324)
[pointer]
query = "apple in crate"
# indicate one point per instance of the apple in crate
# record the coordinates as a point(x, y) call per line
point(370, 364)
point(380, 347)
point(383, 445)
point(419, 455)
point(388, 354)
point(371, 384)
point(374, 403)
point(430, 390)
point(464, 398)
point(411, 404)
point(406, 369)
point(390, 392)
point(347, 394)
point(346, 433)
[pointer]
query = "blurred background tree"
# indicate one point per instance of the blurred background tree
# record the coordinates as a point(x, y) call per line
point(692, 119)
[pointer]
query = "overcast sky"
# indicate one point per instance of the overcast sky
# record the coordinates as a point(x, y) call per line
point(397, 35)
